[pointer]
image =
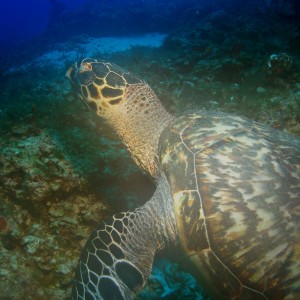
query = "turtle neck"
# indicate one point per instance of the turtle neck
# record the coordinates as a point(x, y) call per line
point(139, 121)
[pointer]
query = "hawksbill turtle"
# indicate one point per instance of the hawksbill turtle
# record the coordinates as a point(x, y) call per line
point(228, 193)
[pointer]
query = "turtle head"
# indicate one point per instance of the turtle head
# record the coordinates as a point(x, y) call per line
point(102, 85)
point(127, 103)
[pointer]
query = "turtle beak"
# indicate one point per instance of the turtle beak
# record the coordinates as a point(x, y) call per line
point(85, 103)
point(69, 73)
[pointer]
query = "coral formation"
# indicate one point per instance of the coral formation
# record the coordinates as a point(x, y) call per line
point(61, 171)
point(42, 203)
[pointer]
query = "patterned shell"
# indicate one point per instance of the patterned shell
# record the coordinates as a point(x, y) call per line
point(236, 188)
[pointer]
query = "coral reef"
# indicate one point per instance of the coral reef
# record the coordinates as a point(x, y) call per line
point(221, 62)
point(58, 178)
point(46, 213)
point(61, 171)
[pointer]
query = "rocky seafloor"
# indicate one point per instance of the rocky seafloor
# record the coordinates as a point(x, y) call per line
point(62, 170)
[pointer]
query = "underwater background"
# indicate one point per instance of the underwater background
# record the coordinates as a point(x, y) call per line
point(62, 170)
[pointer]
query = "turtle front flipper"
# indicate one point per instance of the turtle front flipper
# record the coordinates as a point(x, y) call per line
point(104, 270)
point(117, 258)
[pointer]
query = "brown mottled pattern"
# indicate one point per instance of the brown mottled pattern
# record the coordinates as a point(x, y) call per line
point(236, 187)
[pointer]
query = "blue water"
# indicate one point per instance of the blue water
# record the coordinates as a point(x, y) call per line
point(21, 20)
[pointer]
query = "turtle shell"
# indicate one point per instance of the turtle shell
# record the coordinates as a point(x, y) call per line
point(236, 191)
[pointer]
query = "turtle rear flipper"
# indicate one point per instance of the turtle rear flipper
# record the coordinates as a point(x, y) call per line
point(117, 258)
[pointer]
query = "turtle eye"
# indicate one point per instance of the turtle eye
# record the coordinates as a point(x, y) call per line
point(84, 67)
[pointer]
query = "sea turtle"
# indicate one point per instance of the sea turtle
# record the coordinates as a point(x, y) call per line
point(228, 192)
